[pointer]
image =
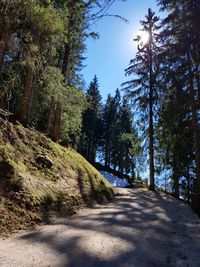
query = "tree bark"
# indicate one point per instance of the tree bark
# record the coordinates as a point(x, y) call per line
point(194, 123)
point(93, 153)
point(176, 185)
point(107, 152)
point(188, 184)
point(175, 177)
point(106, 156)
point(198, 83)
point(55, 133)
point(25, 105)
point(151, 130)
point(66, 60)
point(127, 159)
point(151, 148)
point(50, 117)
point(195, 136)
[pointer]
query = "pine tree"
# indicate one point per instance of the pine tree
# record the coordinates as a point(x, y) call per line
point(182, 36)
point(120, 140)
point(44, 25)
point(12, 14)
point(111, 129)
point(126, 140)
point(91, 119)
point(174, 136)
point(143, 88)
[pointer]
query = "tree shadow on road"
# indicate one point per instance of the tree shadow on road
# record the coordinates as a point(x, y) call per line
point(138, 229)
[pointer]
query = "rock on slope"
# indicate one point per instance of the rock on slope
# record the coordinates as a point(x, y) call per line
point(38, 177)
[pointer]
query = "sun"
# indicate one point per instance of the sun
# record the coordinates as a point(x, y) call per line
point(145, 37)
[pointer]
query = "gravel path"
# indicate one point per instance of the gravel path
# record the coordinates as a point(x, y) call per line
point(139, 229)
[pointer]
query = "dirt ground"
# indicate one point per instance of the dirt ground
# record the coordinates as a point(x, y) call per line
point(139, 229)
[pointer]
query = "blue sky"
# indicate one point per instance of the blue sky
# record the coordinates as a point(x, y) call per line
point(110, 55)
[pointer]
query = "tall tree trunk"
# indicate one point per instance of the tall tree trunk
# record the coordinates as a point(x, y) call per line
point(25, 105)
point(196, 137)
point(121, 165)
point(151, 130)
point(92, 147)
point(133, 174)
point(59, 65)
point(88, 147)
point(188, 184)
point(109, 156)
point(126, 159)
point(194, 123)
point(176, 184)
point(93, 153)
point(106, 156)
point(197, 73)
point(55, 133)
point(175, 177)
point(50, 116)
point(66, 60)
point(107, 152)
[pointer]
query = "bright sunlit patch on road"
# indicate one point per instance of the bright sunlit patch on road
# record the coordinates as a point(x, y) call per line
point(103, 246)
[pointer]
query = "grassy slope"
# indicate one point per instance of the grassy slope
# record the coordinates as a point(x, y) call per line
point(28, 191)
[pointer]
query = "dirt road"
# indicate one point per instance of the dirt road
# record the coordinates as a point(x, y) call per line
point(139, 229)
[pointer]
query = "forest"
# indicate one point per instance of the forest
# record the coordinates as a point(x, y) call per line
point(151, 123)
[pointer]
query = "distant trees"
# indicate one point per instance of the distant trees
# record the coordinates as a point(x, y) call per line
point(108, 132)
point(110, 118)
point(91, 122)
point(124, 154)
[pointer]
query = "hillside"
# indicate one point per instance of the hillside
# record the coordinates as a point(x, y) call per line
point(39, 177)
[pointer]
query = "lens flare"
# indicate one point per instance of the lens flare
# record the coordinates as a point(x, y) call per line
point(145, 37)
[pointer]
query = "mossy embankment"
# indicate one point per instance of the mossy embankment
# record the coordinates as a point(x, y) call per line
point(30, 190)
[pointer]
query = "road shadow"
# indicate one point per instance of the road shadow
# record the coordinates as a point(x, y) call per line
point(139, 228)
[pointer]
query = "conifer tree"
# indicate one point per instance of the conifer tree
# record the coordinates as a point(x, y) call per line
point(43, 26)
point(175, 150)
point(142, 89)
point(125, 142)
point(91, 120)
point(111, 129)
point(12, 14)
point(181, 35)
